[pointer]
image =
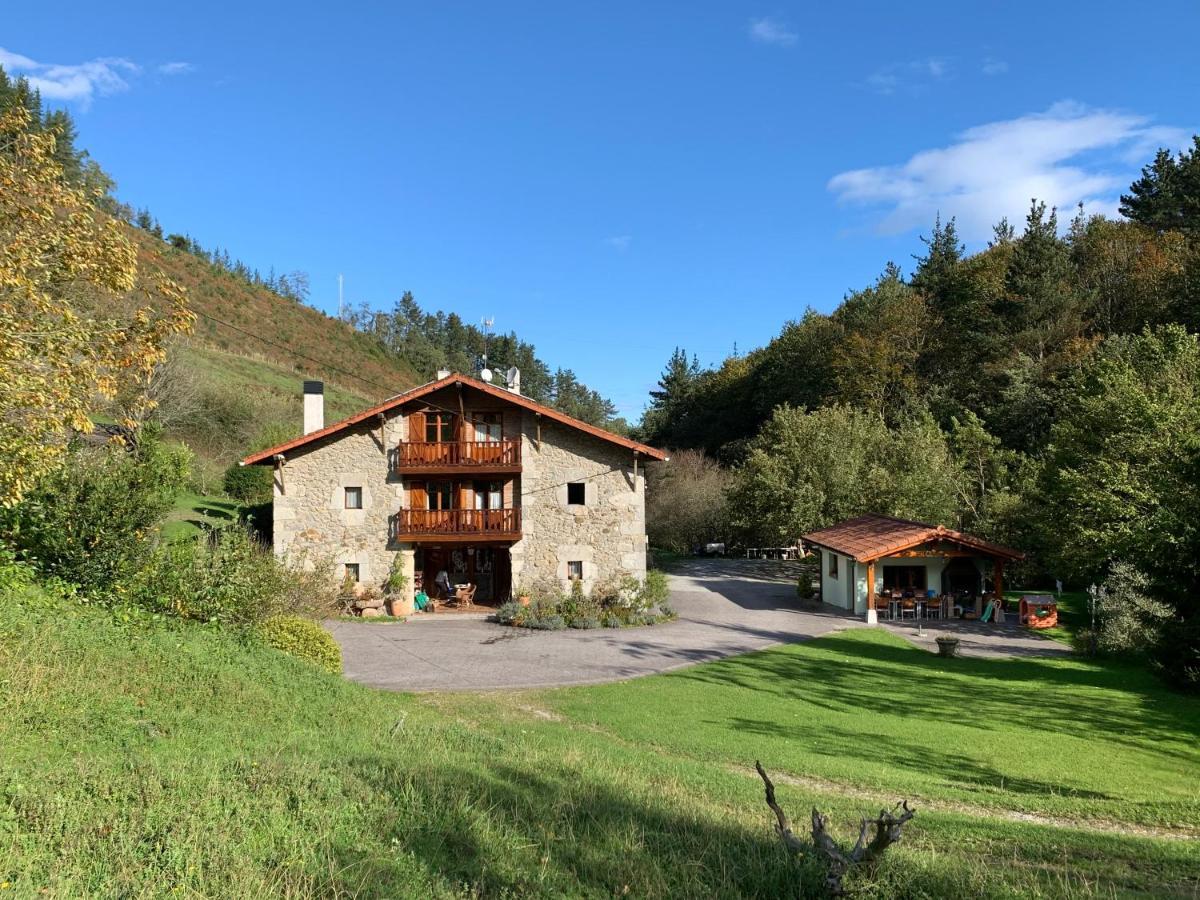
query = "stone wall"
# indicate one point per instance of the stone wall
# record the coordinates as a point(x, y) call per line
point(607, 533)
point(311, 523)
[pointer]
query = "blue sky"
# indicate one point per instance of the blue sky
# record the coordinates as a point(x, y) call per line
point(610, 180)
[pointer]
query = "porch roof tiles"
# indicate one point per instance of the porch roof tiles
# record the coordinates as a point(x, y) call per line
point(872, 536)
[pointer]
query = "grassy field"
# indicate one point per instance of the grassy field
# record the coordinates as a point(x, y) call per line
point(148, 758)
point(194, 513)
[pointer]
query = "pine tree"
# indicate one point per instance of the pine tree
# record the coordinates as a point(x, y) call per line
point(1167, 196)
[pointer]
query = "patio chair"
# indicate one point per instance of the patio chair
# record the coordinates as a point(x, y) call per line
point(933, 608)
point(465, 596)
point(908, 608)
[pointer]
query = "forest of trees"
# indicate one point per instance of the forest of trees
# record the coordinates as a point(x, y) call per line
point(431, 341)
point(1044, 392)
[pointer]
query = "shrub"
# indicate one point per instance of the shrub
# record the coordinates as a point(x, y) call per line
point(586, 621)
point(1130, 620)
point(250, 484)
point(92, 519)
point(548, 623)
point(612, 620)
point(655, 590)
point(303, 639)
point(226, 577)
point(509, 613)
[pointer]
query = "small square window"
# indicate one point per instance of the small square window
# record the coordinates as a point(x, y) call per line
point(352, 571)
point(576, 493)
point(354, 498)
point(833, 565)
point(575, 570)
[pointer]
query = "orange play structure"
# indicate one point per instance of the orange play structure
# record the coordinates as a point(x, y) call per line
point(1039, 611)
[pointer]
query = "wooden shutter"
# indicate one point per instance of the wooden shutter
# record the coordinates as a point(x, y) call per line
point(416, 426)
point(418, 496)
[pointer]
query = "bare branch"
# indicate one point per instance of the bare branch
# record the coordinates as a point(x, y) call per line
point(887, 828)
point(782, 827)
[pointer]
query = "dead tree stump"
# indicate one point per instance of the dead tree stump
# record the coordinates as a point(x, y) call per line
point(874, 837)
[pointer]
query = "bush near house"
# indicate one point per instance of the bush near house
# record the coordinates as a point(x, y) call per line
point(303, 639)
point(619, 601)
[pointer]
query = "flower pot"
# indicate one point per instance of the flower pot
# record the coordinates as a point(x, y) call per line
point(947, 646)
point(400, 605)
point(523, 599)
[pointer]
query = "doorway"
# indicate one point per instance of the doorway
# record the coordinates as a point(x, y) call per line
point(489, 568)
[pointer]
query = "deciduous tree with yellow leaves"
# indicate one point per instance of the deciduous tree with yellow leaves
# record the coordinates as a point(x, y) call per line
point(77, 321)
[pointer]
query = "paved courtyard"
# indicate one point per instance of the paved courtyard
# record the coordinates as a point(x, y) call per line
point(726, 607)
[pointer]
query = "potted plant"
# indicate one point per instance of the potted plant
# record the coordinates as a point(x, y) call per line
point(947, 645)
point(395, 589)
point(522, 594)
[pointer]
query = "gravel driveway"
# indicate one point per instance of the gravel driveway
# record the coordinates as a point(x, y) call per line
point(726, 607)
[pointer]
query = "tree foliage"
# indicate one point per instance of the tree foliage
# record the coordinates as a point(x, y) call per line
point(809, 469)
point(76, 320)
point(685, 501)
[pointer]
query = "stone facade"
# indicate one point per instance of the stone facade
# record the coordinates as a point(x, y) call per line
point(606, 534)
point(311, 523)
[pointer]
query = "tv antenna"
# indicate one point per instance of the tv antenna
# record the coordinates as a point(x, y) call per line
point(484, 372)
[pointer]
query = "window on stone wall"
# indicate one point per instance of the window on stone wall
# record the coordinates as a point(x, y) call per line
point(576, 493)
point(352, 572)
point(833, 565)
point(354, 498)
point(575, 570)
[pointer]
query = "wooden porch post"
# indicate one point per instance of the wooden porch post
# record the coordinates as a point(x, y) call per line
point(998, 579)
point(872, 615)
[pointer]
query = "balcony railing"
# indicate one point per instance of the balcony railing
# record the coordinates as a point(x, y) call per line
point(480, 455)
point(459, 524)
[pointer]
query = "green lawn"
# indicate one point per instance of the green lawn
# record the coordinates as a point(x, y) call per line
point(149, 758)
point(194, 513)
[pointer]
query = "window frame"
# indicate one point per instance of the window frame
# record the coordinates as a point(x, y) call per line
point(346, 494)
point(441, 425)
point(353, 571)
point(573, 564)
point(440, 489)
point(581, 487)
point(833, 564)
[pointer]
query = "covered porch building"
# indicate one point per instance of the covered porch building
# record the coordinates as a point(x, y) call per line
point(862, 557)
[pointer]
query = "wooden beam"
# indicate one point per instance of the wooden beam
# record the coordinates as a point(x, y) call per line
point(871, 584)
point(635, 469)
point(538, 418)
point(998, 578)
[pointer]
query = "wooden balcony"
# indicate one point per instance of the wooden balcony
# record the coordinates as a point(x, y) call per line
point(438, 457)
point(456, 525)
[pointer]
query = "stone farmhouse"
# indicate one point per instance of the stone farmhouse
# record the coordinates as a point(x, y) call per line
point(461, 475)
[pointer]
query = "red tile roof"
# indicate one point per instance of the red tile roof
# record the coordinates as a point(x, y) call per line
point(872, 536)
point(416, 393)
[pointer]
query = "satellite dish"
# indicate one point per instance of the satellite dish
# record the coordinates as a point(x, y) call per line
point(486, 374)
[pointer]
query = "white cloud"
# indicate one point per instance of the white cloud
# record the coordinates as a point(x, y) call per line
point(913, 75)
point(994, 67)
point(176, 68)
point(1066, 155)
point(619, 242)
point(771, 31)
point(78, 83)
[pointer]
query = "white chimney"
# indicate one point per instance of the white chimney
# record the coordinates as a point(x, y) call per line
point(513, 377)
point(442, 373)
point(314, 406)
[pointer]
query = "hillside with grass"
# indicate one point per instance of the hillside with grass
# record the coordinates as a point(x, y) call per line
point(146, 756)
